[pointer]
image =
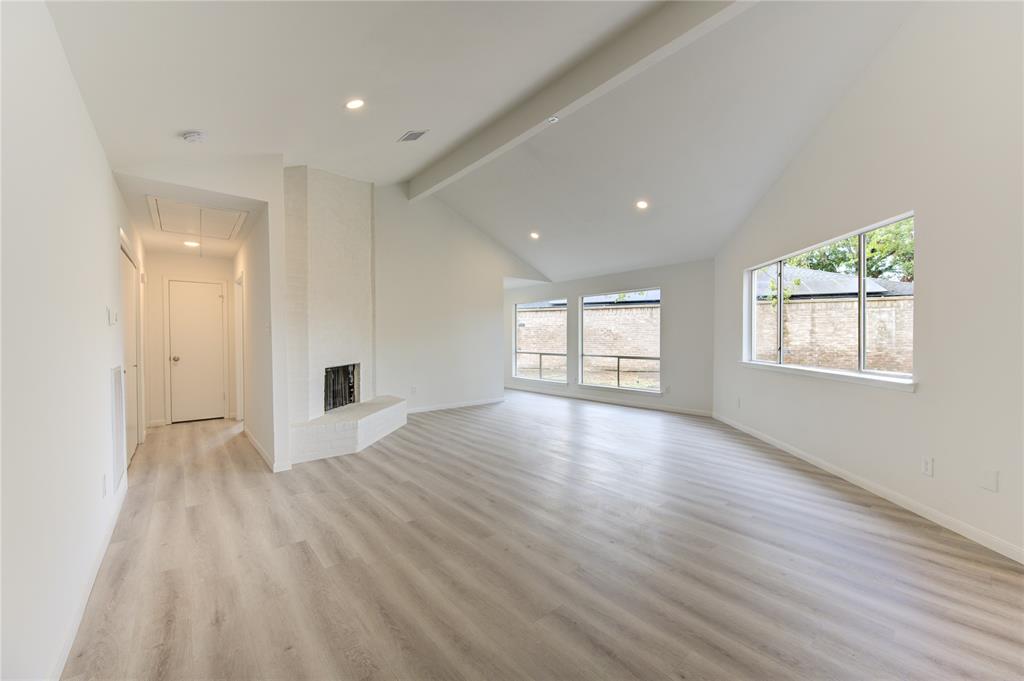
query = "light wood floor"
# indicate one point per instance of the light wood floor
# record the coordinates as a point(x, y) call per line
point(540, 538)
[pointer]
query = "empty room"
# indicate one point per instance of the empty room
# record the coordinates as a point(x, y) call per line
point(512, 340)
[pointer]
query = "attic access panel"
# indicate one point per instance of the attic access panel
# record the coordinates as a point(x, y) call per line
point(191, 220)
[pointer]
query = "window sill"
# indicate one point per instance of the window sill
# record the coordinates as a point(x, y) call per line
point(540, 380)
point(612, 388)
point(877, 381)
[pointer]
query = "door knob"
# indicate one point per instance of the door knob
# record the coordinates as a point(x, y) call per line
point(175, 358)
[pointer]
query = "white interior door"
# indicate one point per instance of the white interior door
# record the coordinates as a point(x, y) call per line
point(130, 362)
point(196, 335)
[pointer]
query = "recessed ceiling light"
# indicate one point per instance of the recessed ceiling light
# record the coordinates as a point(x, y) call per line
point(552, 119)
point(192, 244)
point(641, 204)
point(534, 235)
point(194, 136)
point(354, 104)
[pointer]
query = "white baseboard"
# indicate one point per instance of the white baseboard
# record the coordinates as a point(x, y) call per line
point(973, 533)
point(609, 399)
point(69, 640)
point(274, 468)
point(455, 405)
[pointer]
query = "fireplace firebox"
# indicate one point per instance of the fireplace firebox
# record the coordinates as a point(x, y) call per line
point(341, 386)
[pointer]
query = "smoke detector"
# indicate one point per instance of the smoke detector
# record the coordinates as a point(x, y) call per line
point(412, 135)
point(194, 136)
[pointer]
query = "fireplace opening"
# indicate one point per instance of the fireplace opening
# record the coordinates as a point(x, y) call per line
point(341, 386)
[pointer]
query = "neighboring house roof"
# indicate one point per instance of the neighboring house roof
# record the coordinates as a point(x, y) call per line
point(630, 298)
point(801, 282)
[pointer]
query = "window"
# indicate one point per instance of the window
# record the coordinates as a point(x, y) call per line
point(540, 340)
point(621, 340)
point(847, 305)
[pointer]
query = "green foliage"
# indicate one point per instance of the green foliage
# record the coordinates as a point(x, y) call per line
point(838, 256)
point(890, 254)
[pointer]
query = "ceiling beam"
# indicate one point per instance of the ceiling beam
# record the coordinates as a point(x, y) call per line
point(652, 38)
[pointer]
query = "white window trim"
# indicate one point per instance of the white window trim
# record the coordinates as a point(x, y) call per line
point(902, 383)
point(619, 389)
point(861, 375)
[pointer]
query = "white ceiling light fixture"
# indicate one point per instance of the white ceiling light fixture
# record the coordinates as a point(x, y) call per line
point(192, 244)
point(552, 119)
point(534, 235)
point(354, 104)
point(642, 204)
point(194, 136)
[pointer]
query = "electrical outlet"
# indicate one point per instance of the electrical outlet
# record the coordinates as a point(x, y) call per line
point(928, 466)
point(412, 390)
point(990, 480)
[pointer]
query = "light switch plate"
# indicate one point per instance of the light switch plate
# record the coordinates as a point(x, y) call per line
point(990, 480)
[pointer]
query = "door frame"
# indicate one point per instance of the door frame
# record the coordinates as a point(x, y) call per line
point(140, 416)
point(239, 345)
point(167, 339)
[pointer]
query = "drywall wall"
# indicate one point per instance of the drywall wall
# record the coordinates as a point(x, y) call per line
point(61, 250)
point(687, 292)
point(934, 126)
point(438, 291)
point(162, 267)
point(252, 266)
point(262, 257)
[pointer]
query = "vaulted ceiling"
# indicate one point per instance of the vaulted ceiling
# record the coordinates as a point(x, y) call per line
point(700, 136)
point(699, 127)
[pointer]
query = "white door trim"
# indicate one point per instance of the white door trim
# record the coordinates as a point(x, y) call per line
point(166, 362)
point(239, 345)
point(140, 367)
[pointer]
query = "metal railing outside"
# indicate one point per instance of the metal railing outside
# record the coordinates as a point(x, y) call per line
point(540, 366)
point(618, 368)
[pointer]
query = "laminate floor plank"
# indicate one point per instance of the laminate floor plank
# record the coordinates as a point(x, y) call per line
point(539, 538)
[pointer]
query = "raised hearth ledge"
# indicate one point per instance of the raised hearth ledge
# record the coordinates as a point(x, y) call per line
point(347, 429)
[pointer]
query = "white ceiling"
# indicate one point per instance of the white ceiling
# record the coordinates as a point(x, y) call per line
point(701, 136)
point(179, 214)
point(273, 77)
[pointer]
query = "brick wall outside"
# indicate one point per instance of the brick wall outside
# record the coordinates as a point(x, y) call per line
point(823, 333)
point(632, 330)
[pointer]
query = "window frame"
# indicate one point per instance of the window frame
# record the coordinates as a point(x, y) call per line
point(541, 355)
point(581, 355)
point(862, 373)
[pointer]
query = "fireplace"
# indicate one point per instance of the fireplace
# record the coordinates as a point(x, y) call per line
point(341, 386)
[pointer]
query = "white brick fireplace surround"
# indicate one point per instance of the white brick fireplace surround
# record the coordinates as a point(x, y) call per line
point(329, 253)
point(347, 429)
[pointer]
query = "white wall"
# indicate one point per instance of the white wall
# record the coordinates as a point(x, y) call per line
point(438, 289)
point(687, 292)
point(252, 264)
point(161, 267)
point(61, 213)
point(934, 126)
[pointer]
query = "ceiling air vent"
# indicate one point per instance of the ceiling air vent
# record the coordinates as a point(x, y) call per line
point(412, 135)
